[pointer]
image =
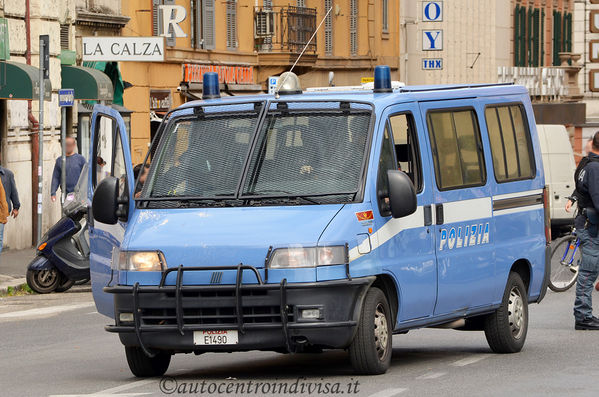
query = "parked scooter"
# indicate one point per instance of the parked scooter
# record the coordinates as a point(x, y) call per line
point(63, 253)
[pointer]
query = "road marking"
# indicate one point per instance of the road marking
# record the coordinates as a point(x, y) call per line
point(126, 386)
point(433, 375)
point(44, 311)
point(101, 395)
point(388, 392)
point(470, 360)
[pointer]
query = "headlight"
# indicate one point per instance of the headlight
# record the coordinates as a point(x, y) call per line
point(142, 261)
point(284, 258)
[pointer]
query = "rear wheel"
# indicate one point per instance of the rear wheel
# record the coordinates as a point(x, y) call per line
point(370, 351)
point(43, 281)
point(506, 328)
point(144, 366)
point(565, 259)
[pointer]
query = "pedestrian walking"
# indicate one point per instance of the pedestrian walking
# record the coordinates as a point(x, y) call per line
point(74, 165)
point(587, 224)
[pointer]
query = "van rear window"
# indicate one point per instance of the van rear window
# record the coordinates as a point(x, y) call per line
point(457, 149)
point(510, 143)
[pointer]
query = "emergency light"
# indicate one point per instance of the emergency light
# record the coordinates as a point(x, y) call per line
point(382, 79)
point(210, 86)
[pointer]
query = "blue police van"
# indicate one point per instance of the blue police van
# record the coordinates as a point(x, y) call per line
point(305, 221)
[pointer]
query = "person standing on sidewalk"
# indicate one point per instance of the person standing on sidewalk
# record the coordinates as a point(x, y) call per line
point(3, 213)
point(10, 195)
point(587, 226)
point(74, 165)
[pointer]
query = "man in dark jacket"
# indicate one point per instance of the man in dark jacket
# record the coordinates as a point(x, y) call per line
point(587, 224)
point(12, 196)
point(74, 165)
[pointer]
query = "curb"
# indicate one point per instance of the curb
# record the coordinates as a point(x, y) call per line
point(14, 283)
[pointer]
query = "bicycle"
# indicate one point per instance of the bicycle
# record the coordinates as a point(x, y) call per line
point(565, 259)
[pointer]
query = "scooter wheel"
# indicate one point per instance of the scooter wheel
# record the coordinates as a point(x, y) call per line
point(65, 285)
point(43, 281)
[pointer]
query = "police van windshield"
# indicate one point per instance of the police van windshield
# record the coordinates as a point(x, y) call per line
point(309, 153)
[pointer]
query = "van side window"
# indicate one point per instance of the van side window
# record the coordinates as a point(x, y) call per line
point(457, 149)
point(104, 147)
point(510, 143)
point(406, 147)
point(386, 162)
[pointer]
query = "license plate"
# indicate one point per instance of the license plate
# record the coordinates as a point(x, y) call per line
point(207, 338)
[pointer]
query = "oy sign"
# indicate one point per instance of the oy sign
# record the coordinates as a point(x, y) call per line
point(432, 11)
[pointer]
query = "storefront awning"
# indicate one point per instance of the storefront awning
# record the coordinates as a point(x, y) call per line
point(88, 83)
point(21, 81)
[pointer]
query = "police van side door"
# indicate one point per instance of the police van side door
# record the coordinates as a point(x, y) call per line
point(109, 156)
point(463, 206)
point(406, 245)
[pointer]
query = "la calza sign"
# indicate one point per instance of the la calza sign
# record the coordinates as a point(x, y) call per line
point(139, 49)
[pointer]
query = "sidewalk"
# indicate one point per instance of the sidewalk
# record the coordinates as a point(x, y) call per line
point(13, 266)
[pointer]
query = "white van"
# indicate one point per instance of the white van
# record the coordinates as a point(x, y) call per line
point(559, 165)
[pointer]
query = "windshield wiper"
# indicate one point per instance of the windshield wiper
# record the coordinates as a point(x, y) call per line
point(288, 195)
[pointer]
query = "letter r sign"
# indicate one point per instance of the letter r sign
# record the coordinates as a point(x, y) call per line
point(432, 40)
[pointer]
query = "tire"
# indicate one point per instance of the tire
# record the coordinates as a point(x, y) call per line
point(65, 285)
point(563, 276)
point(506, 329)
point(370, 351)
point(43, 281)
point(143, 366)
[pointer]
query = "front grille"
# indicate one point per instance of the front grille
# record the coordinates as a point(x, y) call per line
point(215, 315)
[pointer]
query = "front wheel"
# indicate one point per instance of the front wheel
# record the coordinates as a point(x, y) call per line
point(506, 328)
point(565, 259)
point(144, 366)
point(43, 281)
point(370, 351)
point(65, 284)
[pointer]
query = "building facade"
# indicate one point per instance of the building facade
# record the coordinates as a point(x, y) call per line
point(247, 42)
point(25, 20)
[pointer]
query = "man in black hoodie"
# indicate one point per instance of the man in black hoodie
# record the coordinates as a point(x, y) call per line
point(587, 224)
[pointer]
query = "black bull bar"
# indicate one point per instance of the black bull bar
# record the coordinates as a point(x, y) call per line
point(238, 287)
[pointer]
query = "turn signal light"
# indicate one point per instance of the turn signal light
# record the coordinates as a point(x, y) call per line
point(42, 246)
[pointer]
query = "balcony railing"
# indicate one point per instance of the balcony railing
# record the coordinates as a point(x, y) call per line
point(284, 29)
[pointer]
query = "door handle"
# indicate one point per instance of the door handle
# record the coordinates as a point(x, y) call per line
point(428, 215)
point(439, 214)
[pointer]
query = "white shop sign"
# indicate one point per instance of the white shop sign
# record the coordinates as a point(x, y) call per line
point(140, 49)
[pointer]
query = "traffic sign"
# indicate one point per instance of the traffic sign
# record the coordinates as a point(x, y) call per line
point(66, 97)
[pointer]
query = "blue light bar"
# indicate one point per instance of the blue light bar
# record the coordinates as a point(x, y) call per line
point(382, 79)
point(210, 86)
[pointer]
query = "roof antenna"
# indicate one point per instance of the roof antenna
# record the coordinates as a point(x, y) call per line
point(277, 96)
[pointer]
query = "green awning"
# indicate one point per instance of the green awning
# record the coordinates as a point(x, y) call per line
point(21, 81)
point(111, 69)
point(88, 83)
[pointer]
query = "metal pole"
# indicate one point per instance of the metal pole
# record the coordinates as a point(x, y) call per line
point(63, 137)
point(40, 166)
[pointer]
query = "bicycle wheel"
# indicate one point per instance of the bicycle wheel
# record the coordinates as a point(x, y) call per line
point(565, 259)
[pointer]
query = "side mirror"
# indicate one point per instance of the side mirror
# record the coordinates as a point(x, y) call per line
point(402, 196)
point(105, 203)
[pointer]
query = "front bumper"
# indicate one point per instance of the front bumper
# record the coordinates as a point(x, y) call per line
point(267, 316)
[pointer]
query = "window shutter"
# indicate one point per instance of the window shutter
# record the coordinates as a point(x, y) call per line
point(231, 25)
point(353, 27)
point(517, 29)
point(328, 28)
point(64, 36)
point(155, 18)
point(171, 41)
point(208, 24)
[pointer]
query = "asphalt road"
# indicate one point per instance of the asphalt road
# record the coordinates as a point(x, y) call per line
point(55, 345)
